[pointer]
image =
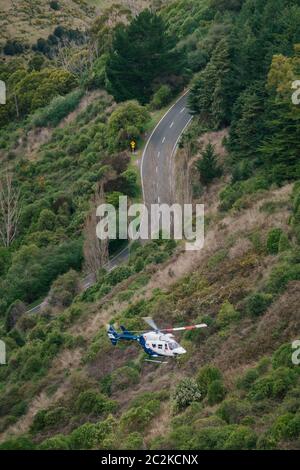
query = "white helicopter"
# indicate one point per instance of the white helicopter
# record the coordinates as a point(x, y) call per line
point(157, 343)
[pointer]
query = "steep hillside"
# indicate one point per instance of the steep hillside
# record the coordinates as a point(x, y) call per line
point(37, 18)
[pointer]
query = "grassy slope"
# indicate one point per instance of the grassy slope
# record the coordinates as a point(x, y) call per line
point(34, 19)
point(188, 287)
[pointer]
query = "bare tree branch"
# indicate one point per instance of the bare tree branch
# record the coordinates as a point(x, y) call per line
point(9, 209)
point(95, 250)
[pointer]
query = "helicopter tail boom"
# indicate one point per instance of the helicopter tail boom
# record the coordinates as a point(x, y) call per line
point(114, 336)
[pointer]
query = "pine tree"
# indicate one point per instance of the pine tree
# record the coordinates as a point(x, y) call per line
point(141, 53)
point(208, 166)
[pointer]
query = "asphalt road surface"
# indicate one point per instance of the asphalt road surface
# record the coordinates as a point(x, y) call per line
point(157, 165)
point(156, 172)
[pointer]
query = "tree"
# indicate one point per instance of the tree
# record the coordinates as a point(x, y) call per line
point(208, 166)
point(141, 53)
point(9, 209)
point(127, 122)
point(95, 251)
point(215, 88)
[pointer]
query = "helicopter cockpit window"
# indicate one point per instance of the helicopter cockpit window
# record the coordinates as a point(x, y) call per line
point(173, 345)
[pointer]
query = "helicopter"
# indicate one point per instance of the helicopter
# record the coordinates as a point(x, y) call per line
point(157, 343)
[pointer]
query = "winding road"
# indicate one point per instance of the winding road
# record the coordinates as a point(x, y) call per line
point(156, 171)
point(157, 165)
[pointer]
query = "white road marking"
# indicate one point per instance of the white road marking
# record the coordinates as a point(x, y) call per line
point(182, 110)
point(158, 199)
point(163, 140)
point(158, 155)
point(172, 124)
point(157, 169)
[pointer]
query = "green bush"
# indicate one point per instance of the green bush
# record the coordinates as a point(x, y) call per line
point(59, 108)
point(19, 443)
point(273, 239)
point(85, 437)
point(274, 385)
point(134, 441)
point(245, 382)
point(186, 392)
point(256, 304)
point(64, 289)
point(206, 375)
point(227, 315)
point(138, 418)
point(242, 438)
point(233, 410)
point(58, 442)
point(47, 419)
point(91, 401)
point(216, 392)
point(281, 275)
point(283, 357)
point(161, 97)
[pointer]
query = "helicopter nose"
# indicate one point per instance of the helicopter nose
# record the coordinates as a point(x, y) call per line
point(180, 350)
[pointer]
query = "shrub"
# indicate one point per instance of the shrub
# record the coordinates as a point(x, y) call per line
point(186, 392)
point(58, 109)
point(256, 304)
point(206, 376)
point(273, 239)
point(227, 315)
point(19, 443)
point(233, 410)
point(161, 97)
point(84, 437)
point(284, 243)
point(242, 438)
point(282, 357)
point(245, 382)
point(64, 289)
point(51, 418)
point(47, 220)
point(134, 441)
point(281, 275)
point(274, 385)
point(13, 314)
point(137, 419)
point(93, 402)
point(216, 392)
point(211, 438)
point(54, 5)
point(58, 442)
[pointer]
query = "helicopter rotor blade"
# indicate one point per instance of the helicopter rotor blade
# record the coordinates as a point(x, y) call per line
point(187, 328)
point(151, 322)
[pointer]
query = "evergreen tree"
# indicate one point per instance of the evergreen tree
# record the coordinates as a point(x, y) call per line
point(213, 90)
point(141, 53)
point(208, 166)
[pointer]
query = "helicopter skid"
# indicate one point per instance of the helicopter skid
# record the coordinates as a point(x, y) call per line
point(156, 361)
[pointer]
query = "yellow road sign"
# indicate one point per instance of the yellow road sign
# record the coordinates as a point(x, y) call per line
point(133, 144)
